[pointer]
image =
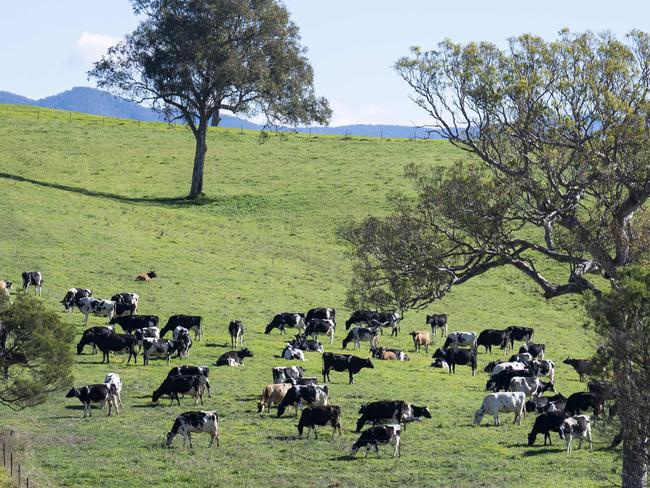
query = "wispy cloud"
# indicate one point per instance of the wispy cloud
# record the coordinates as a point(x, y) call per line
point(90, 46)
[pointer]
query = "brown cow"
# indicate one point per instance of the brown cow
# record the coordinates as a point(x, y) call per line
point(146, 276)
point(4, 290)
point(274, 393)
point(421, 338)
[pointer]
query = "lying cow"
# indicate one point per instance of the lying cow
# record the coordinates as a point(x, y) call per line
point(494, 403)
point(99, 393)
point(361, 334)
point(272, 394)
point(291, 352)
point(313, 416)
point(191, 422)
point(285, 319)
point(234, 358)
point(385, 353)
point(146, 276)
point(381, 434)
point(393, 411)
point(299, 396)
point(343, 362)
point(306, 345)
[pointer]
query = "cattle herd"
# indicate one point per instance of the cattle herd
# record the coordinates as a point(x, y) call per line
point(516, 385)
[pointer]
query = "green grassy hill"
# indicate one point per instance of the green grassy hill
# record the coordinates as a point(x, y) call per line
point(92, 202)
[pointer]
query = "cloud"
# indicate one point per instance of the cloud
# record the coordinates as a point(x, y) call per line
point(90, 47)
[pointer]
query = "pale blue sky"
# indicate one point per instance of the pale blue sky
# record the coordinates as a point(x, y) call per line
point(46, 46)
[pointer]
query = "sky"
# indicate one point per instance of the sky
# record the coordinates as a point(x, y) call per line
point(47, 46)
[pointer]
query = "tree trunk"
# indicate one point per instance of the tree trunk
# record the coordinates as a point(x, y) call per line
point(199, 160)
point(635, 468)
point(216, 119)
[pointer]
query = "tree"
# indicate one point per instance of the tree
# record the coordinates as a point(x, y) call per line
point(622, 319)
point(35, 353)
point(558, 142)
point(190, 59)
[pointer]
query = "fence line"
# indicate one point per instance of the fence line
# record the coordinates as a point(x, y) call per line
point(13, 466)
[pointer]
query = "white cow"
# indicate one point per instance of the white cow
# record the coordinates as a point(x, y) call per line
point(502, 402)
point(114, 379)
point(460, 339)
point(515, 366)
point(101, 308)
point(530, 386)
point(578, 426)
point(291, 352)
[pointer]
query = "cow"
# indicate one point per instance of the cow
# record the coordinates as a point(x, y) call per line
point(578, 426)
point(582, 400)
point(236, 331)
point(543, 403)
point(146, 276)
point(321, 313)
point(291, 352)
point(313, 416)
point(386, 319)
point(530, 386)
point(190, 422)
point(385, 353)
point(543, 367)
point(89, 335)
point(285, 319)
point(131, 298)
point(359, 334)
point(320, 326)
point(190, 322)
point(535, 350)
point(582, 366)
point(518, 333)
point(546, 423)
point(493, 337)
point(192, 385)
point(361, 317)
point(5, 286)
point(306, 345)
point(287, 374)
point(182, 335)
point(522, 357)
point(512, 365)
point(381, 434)
point(234, 358)
point(491, 365)
point(454, 355)
point(159, 347)
point(343, 362)
point(393, 411)
point(73, 294)
point(130, 323)
point(501, 380)
point(297, 395)
point(107, 343)
point(192, 371)
point(421, 338)
point(33, 278)
point(461, 339)
point(98, 393)
point(123, 309)
point(114, 382)
point(603, 389)
point(272, 394)
point(437, 321)
point(146, 333)
point(502, 402)
point(101, 308)
point(440, 363)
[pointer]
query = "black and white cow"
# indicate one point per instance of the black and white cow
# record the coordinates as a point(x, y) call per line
point(123, 309)
point(493, 337)
point(70, 299)
point(94, 306)
point(194, 422)
point(546, 423)
point(190, 322)
point(381, 434)
point(114, 383)
point(385, 353)
point(236, 331)
point(299, 396)
point(192, 385)
point(292, 352)
point(321, 313)
point(146, 333)
point(182, 336)
point(313, 416)
point(438, 321)
point(501, 380)
point(367, 317)
point(577, 426)
point(306, 345)
point(192, 371)
point(234, 358)
point(454, 355)
point(159, 348)
point(461, 339)
point(287, 374)
point(535, 350)
point(130, 323)
point(392, 411)
point(33, 278)
point(286, 319)
point(132, 298)
point(88, 337)
point(521, 334)
point(108, 343)
point(387, 319)
point(320, 326)
point(343, 362)
point(361, 334)
point(99, 393)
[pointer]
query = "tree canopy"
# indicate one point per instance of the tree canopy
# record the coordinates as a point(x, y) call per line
point(190, 59)
point(557, 139)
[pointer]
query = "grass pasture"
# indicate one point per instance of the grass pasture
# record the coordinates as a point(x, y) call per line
point(93, 202)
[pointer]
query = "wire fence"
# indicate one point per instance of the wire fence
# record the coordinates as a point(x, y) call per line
point(11, 460)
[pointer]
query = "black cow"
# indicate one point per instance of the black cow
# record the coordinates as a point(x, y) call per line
point(603, 389)
point(493, 337)
point(312, 395)
point(190, 322)
point(518, 333)
point(361, 316)
point(108, 343)
point(301, 342)
point(545, 424)
point(128, 298)
point(236, 331)
point(583, 400)
point(193, 385)
point(129, 323)
point(313, 416)
point(88, 337)
point(159, 347)
point(535, 350)
point(192, 371)
point(33, 278)
point(582, 366)
point(438, 321)
point(73, 294)
point(321, 313)
point(381, 434)
point(286, 319)
point(99, 393)
point(343, 362)
point(393, 411)
point(501, 380)
point(234, 358)
point(456, 355)
point(123, 309)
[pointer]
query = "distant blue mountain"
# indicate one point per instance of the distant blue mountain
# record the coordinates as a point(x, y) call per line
point(98, 102)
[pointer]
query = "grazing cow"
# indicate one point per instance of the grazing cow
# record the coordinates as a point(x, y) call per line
point(182, 335)
point(386, 319)
point(440, 363)
point(33, 278)
point(359, 334)
point(558, 405)
point(146, 333)
point(385, 353)
point(291, 352)
point(70, 299)
point(438, 321)
point(297, 395)
point(274, 393)
point(160, 348)
point(360, 317)
point(100, 308)
point(99, 393)
point(460, 339)
point(192, 385)
point(285, 319)
point(546, 423)
point(543, 403)
point(381, 434)
point(107, 343)
point(582, 400)
point(88, 337)
point(501, 380)
point(502, 402)
point(131, 298)
point(114, 382)
point(535, 350)
point(514, 366)
point(287, 374)
point(343, 362)
point(192, 371)
point(320, 326)
point(130, 323)
point(421, 338)
point(493, 337)
point(313, 416)
point(146, 276)
point(123, 309)
point(582, 366)
point(520, 334)
point(236, 331)
point(190, 422)
point(543, 367)
point(5, 286)
point(530, 386)
point(306, 345)
point(394, 411)
point(578, 426)
point(234, 358)
point(491, 365)
point(190, 322)
point(321, 313)
point(454, 355)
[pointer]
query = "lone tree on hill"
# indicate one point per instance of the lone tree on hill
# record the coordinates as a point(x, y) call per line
point(559, 138)
point(193, 58)
point(35, 353)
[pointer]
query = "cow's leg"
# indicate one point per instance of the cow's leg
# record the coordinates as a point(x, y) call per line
point(313, 427)
point(496, 418)
point(177, 399)
point(398, 451)
point(189, 440)
point(351, 377)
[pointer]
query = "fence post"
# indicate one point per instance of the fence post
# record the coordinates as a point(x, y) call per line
point(18, 475)
point(11, 463)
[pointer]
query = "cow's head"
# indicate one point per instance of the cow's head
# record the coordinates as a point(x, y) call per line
point(245, 353)
point(8, 285)
point(421, 412)
point(72, 393)
point(152, 274)
point(269, 328)
point(366, 363)
point(440, 353)
point(478, 416)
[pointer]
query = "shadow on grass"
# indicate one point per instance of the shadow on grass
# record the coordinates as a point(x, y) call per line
point(214, 344)
point(540, 451)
